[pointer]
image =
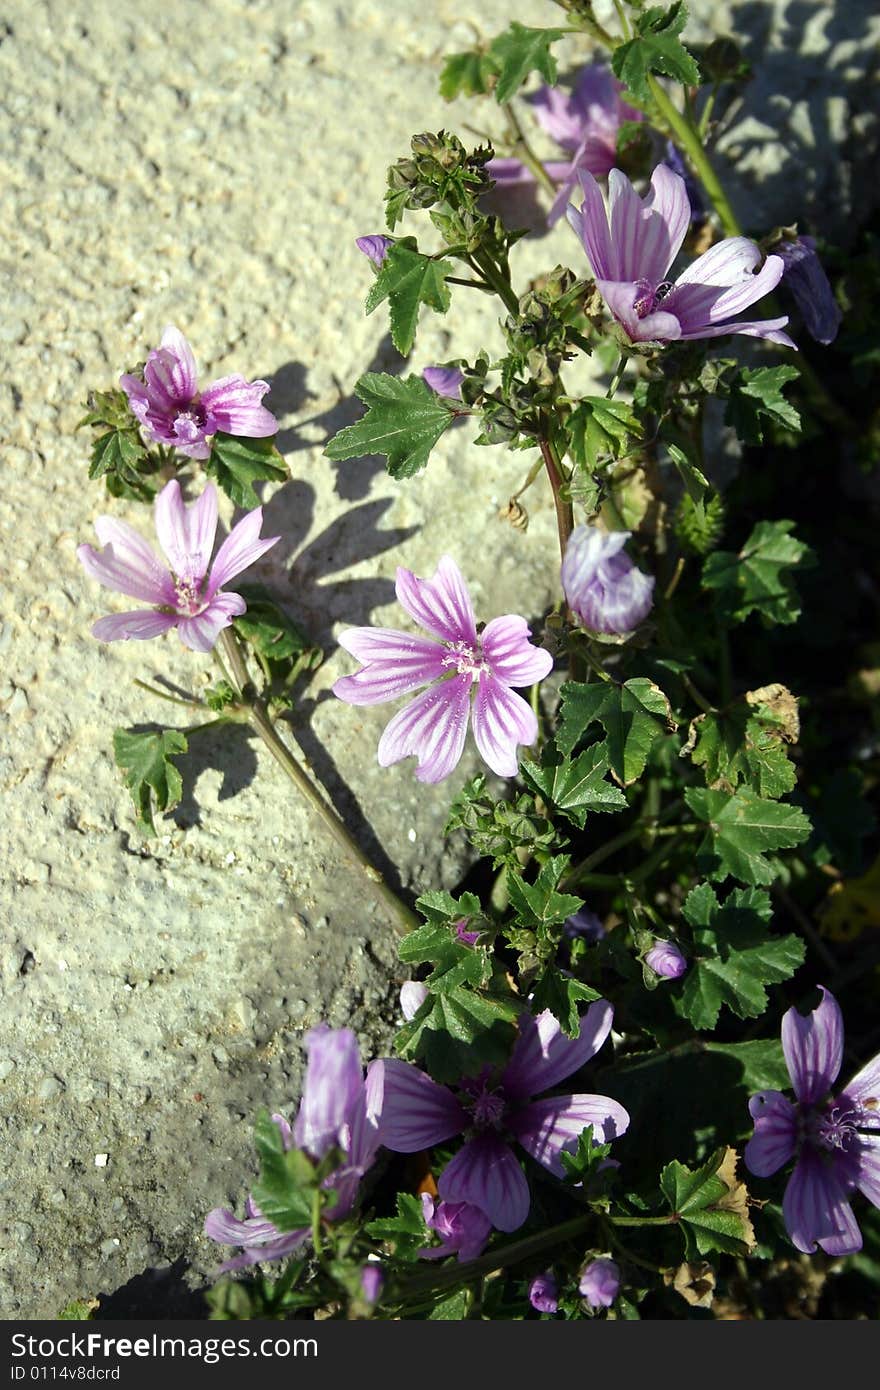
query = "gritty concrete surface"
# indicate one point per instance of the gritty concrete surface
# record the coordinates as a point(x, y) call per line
point(210, 164)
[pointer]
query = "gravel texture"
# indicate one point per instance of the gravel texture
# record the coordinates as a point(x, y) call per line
point(210, 165)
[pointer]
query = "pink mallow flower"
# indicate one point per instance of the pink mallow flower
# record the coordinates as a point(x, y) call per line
point(632, 245)
point(584, 122)
point(340, 1108)
point(463, 1229)
point(172, 410)
point(493, 1110)
point(471, 676)
point(602, 586)
point(834, 1139)
point(189, 598)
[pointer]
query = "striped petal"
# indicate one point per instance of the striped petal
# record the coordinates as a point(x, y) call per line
point(233, 406)
point(395, 663)
point(817, 1210)
point(186, 534)
point(441, 605)
point(512, 657)
point(334, 1082)
point(544, 1055)
point(241, 549)
point(200, 632)
point(486, 1173)
point(813, 1048)
point(138, 626)
point(502, 721)
point(775, 1137)
point(416, 1111)
point(432, 728)
point(170, 373)
point(126, 563)
point(590, 222)
point(546, 1128)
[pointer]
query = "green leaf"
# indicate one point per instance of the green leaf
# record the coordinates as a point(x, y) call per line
point(582, 1164)
point(738, 744)
point(762, 1062)
point(735, 956)
point(407, 279)
point(756, 401)
point(598, 428)
point(406, 1232)
point(500, 828)
point(404, 420)
point(236, 464)
point(520, 51)
point(273, 634)
point(562, 995)
point(453, 1308)
point(695, 482)
point(758, 579)
point(741, 827)
point(539, 904)
point(634, 716)
point(710, 1204)
point(575, 786)
point(655, 48)
point(288, 1180)
point(467, 74)
point(150, 775)
point(459, 1032)
point(120, 457)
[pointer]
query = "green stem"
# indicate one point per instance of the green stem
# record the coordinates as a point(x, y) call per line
point(258, 717)
point(483, 262)
point(690, 142)
point(669, 1220)
point(564, 510)
point(317, 1242)
point(523, 151)
point(172, 699)
point(617, 378)
point(499, 1259)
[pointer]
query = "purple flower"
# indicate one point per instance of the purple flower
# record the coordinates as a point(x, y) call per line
point(339, 1108)
point(674, 161)
point(584, 122)
point(191, 597)
point(172, 410)
point(446, 381)
point(375, 248)
point(467, 938)
point(493, 1110)
point(602, 586)
point(809, 284)
point(463, 1229)
point(372, 1280)
point(631, 246)
point(665, 959)
point(835, 1139)
point(544, 1293)
point(412, 996)
point(585, 924)
point(471, 676)
point(600, 1282)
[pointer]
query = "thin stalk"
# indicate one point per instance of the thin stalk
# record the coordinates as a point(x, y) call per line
point(617, 378)
point(624, 22)
point(172, 699)
point(482, 262)
point(258, 717)
point(669, 1220)
point(523, 151)
point(564, 510)
point(689, 141)
point(499, 1259)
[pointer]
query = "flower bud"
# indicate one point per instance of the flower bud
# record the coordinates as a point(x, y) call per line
point(602, 586)
point(665, 959)
point(544, 1293)
point(600, 1282)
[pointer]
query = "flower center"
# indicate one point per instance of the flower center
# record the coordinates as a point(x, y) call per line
point(489, 1110)
point(189, 424)
point(468, 660)
point(645, 299)
point(189, 596)
point(837, 1128)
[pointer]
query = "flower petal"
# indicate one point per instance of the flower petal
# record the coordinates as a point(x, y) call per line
point(241, 549)
point(543, 1055)
point(261, 1240)
point(200, 633)
point(441, 605)
point(547, 1127)
point(416, 1111)
point(486, 1173)
point(512, 657)
point(665, 224)
point(395, 664)
point(126, 563)
point(233, 406)
point(591, 224)
point(139, 625)
point(868, 1170)
point(183, 379)
point(334, 1081)
point(432, 728)
point(365, 1124)
point(656, 327)
point(754, 328)
point(775, 1137)
point(813, 1048)
point(502, 721)
point(186, 534)
point(865, 1086)
point(816, 1209)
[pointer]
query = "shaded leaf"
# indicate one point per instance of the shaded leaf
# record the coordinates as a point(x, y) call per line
point(756, 401)
point(575, 786)
point(539, 904)
point(562, 995)
point(710, 1209)
point(598, 428)
point(467, 74)
point(634, 716)
point(236, 464)
point(758, 578)
point(741, 827)
point(406, 1232)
